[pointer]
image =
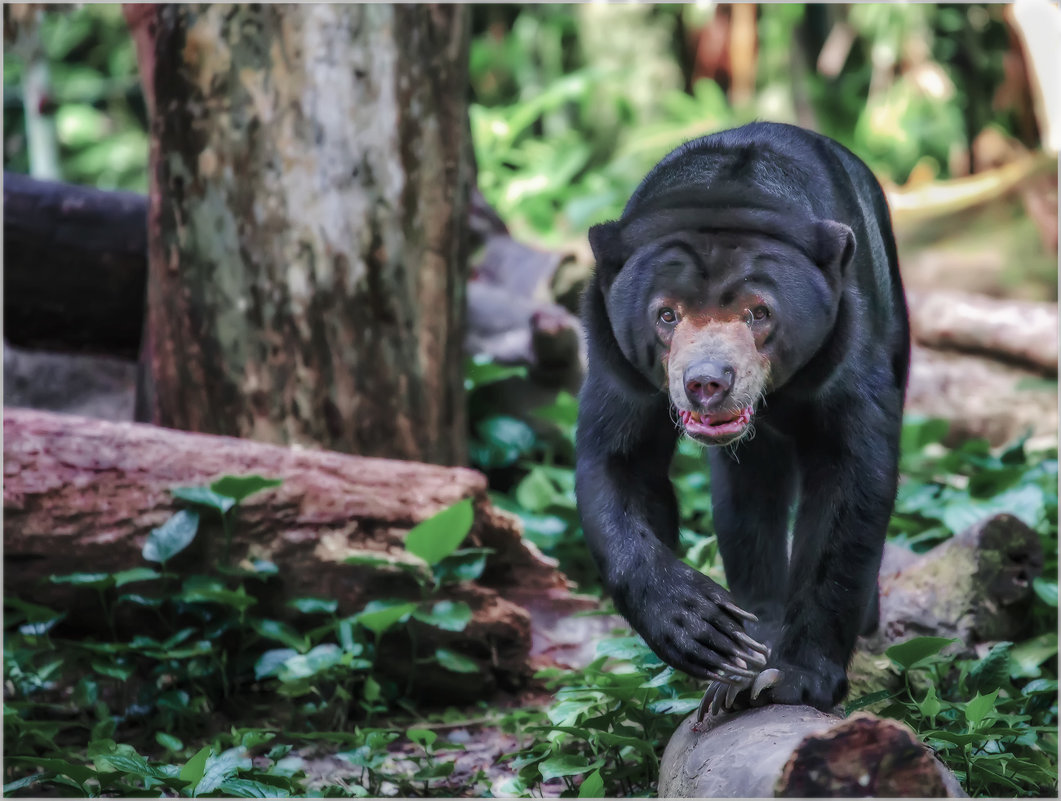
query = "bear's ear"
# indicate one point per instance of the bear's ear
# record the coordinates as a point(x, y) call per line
point(835, 247)
point(607, 244)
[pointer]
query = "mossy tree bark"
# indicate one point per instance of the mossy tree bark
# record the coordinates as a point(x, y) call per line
point(307, 230)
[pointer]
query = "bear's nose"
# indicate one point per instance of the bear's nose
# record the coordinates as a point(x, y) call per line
point(708, 383)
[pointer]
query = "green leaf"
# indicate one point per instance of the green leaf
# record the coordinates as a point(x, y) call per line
point(480, 371)
point(1046, 590)
point(536, 492)
point(422, 737)
point(123, 577)
point(867, 700)
point(1028, 655)
point(993, 671)
point(79, 773)
point(94, 580)
point(204, 496)
point(314, 606)
point(446, 615)
point(592, 786)
point(465, 564)
point(270, 662)
point(371, 691)
point(931, 706)
point(24, 782)
point(168, 741)
point(220, 768)
point(194, 768)
point(458, 663)
point(978, 708)
point(281, 632)
point(566, 765)
point(303, 666)
point(378, 616)
point(241, 487)
point(172, 537)
point(439, 535)
point(917, 650)
point(248, 788)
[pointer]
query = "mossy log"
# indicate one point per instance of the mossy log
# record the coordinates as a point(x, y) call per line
point(82, 495)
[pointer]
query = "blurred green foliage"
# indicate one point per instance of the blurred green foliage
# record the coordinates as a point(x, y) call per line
point(572, 104)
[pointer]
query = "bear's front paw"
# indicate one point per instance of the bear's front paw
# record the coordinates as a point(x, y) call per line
point(822, 687)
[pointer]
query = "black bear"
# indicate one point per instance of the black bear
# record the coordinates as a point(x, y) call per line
point(750, 298)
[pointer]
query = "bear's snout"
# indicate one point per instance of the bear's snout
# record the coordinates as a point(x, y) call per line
point(707, 384)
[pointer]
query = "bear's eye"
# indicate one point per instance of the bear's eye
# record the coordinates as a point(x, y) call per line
point(668, 316)
point(756, 314)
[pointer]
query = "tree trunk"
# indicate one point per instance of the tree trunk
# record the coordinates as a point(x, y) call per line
point(83, 494)
point(307, 240)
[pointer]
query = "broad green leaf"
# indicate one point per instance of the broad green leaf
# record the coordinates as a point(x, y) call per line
point(314, 606)
point(172, 537)
point(993, 671)
point(1046, 590)
point(113, 670)
point(195, 767)
point(566, 765)
point(446, 615)
point(480, 371)
point(439, 535)
point(458, 663)
point(220, 768)
point(867, 700)
point(536, 492)
point(123, 577)
point(79, 773)
point(592, 786)
point(673, 706)
point(378, 616)
point(422, 737)
point(281, 632)
point(1028, 655)
point(912, 652)
point(131, 764)
point(204, 496)
point(978, 708)
point(241, 487)
point(371, 691)
point(248, 788)
point(21, 784)
point(168, 741)
point(464, 564)
point(931, 706)
point(96, 581)
point(319, 659)
point(270, 662)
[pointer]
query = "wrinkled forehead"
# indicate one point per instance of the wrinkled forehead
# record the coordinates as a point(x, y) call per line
point(685, 264)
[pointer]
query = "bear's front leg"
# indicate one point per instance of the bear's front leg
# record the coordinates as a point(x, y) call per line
point(847, 490)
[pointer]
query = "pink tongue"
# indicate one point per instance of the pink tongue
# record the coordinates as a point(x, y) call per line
point(720, 418)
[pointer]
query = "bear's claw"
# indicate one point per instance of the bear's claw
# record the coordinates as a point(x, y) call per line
point(721, 694)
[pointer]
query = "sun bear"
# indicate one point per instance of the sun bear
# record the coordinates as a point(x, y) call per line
point(749, 297)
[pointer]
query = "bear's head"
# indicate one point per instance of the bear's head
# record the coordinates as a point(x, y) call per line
point(719, 307)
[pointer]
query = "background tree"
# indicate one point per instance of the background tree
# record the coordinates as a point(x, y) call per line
point(310, 173)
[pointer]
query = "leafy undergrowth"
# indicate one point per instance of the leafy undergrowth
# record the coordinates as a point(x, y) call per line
point(218, 696)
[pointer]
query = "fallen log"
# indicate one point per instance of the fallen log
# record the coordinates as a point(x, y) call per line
point(797, 751)
point(1018, 331)
point(82, 495)
point(981, 397)
point(975, 587)
point(74, 266)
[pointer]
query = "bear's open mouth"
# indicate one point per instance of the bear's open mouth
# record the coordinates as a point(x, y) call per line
point(716, 428)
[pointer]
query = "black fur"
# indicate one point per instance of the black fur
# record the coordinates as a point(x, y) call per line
point(826, 434)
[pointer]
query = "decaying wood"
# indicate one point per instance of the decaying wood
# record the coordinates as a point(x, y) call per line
point(73, 266)
point(976, 586)
point(82, 495)
point(800, 752)
point(1024, 332)
point(981, 397)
